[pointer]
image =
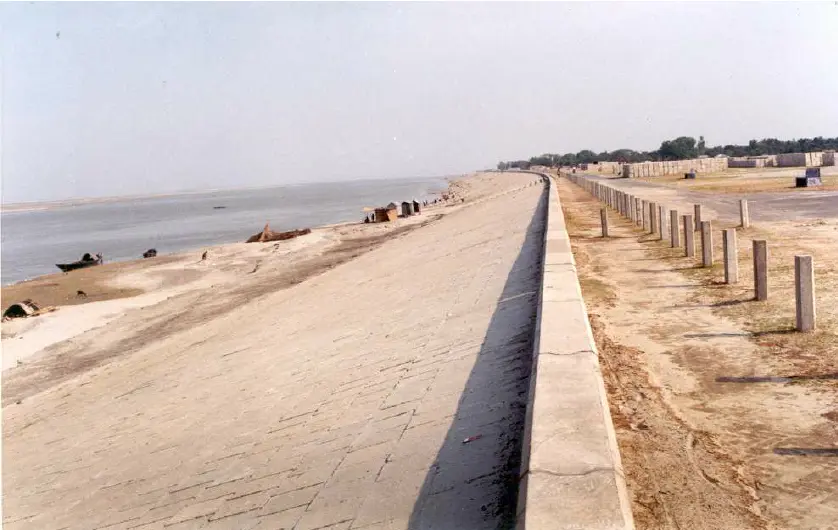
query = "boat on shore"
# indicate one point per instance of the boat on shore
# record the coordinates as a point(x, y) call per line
point(86, 261)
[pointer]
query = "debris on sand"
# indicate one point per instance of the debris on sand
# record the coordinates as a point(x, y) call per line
point(26, 308)
point(150, 253)
point(269, 235)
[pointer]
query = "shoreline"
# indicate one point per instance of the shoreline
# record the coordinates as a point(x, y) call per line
point(131, 302)
point(119, 288)
point(34, 264)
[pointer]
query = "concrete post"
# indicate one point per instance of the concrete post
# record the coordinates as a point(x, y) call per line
point(804, 292)
point(638, 212)
point(697, 217)
point(706, 244)
point(630, 200)
point(603, 217)
point(661, 222)
point(653, 217)
point(761, 269)
point(689, 236)
point(674, 229)
point(744, 218)
point(731, 256)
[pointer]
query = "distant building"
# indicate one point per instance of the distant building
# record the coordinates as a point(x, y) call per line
point(416, 207)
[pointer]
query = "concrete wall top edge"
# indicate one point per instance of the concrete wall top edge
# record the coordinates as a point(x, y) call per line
point(571, 475)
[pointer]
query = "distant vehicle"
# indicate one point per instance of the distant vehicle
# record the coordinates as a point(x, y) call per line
point(86, 261)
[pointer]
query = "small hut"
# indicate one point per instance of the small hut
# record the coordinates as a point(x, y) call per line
point(416, 207)
point(387, 213)
point(407, 209)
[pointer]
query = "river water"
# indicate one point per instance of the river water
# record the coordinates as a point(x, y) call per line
point(34, 241)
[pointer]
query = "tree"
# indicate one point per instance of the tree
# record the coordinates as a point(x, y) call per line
point(683, 147)
point(568, 159)
point(586, 156)
point(680, 148)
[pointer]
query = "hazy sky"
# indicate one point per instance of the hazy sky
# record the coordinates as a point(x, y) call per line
point(155, 97)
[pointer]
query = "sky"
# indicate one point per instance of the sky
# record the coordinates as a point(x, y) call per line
point(103, 99)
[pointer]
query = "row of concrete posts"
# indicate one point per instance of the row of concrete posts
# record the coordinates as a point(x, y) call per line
point(652, 218)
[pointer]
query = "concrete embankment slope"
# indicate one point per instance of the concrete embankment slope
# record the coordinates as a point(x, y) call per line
point(571, 476)
point(341, 402)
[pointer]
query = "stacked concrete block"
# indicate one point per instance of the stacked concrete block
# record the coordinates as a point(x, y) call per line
point(657, 169)
point(814, 159)
point(741, 162)
point(791, 160)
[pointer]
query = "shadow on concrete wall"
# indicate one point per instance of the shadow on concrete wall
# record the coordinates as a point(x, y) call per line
point(475, 485)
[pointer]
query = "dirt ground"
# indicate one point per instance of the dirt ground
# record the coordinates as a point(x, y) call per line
point(738, 180)
point(701, 451)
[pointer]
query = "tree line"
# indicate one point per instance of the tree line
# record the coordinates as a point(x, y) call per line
point(680, 148)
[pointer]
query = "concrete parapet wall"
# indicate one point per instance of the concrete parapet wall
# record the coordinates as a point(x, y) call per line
point(571, 476)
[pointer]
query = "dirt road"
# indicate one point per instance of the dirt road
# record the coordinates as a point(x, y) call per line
point(763, 206)
point(700, 452)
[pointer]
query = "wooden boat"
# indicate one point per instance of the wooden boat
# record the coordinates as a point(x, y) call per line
point(269, 235)
point(86, 261)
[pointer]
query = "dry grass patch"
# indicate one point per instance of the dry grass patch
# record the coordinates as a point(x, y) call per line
point(747, 180)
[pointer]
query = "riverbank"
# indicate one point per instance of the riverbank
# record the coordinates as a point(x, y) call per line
point(113, 290)
point(331, 389)
point(122, 230)
point(119, 289)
